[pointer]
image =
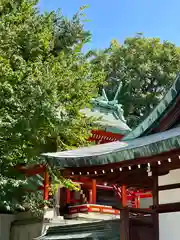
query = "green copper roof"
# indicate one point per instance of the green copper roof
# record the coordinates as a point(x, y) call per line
point(110, 114)
point(117, 151)
point(158, 112)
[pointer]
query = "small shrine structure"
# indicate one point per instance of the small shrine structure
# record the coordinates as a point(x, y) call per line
point(138, 162)
point(111, 126)
point(109, 117)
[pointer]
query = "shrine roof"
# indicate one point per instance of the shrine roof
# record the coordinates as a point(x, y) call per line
point(105, 118)
point(116, 152)
point(158, 113)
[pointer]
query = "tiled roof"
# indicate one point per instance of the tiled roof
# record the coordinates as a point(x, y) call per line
point(158, 112)
point(117, 151)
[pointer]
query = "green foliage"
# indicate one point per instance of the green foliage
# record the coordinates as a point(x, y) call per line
point(69, 33)
point(42, 89)
point(146, 67)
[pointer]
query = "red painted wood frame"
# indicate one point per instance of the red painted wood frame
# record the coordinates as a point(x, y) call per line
point(41, 170)
point(101, 136)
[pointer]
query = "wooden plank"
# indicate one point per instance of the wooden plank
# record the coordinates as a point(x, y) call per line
point(141, 210)
point(169, 187)
point(124, 224)
point(168, 207)
point(140, 179)
point(137, 210)
point(155, 194)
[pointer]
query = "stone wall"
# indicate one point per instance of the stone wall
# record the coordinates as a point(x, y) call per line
point(26, 229)
point(23, 226)
point(20, 227)
point(5, 226)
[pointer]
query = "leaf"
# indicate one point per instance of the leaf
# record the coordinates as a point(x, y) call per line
point(145, 66)
point(45, 80)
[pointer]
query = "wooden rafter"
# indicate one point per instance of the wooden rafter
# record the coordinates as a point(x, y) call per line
point(153, 160)
point(170, 118)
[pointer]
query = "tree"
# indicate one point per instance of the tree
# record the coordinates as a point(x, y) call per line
point(68, 33)
point(146, 67)
point(42, 89)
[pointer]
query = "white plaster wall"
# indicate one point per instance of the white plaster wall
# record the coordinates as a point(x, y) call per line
point(146, 202)
point(169, 223)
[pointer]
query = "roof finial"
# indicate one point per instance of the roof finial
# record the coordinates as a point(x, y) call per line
point(118, 91)
point(104, 95)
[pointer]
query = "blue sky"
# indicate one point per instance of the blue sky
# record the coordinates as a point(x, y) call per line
point(118, 19)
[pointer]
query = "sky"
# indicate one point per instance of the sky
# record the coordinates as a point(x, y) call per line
point(119, 19)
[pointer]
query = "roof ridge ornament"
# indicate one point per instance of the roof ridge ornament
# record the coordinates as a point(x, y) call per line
point(118, 91)
point(109, 112)
point(119, 110)
point(104, 95)
point(113, 105)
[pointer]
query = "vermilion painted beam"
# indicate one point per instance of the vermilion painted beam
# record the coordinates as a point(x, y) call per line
point(145, 195)
point(37, 169)
point(105, 137)
point(87, 184)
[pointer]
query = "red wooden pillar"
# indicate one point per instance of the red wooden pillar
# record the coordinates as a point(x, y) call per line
point(46, 185)
point(124, 221)
point(68, 196)
point(72, 197)
point(81, 199)
point(62, 197)
point(90, 200)
point(124, 196)
point(94, 191)
point(137, 201)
